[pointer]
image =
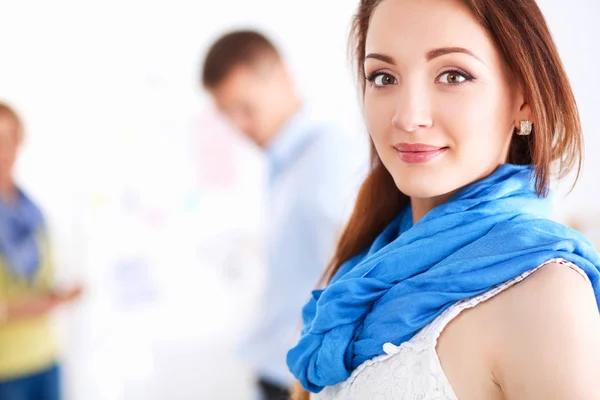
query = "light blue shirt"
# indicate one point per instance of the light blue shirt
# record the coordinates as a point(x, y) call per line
point(314, 176)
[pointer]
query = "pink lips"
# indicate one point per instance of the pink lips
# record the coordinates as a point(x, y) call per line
point(418, 153)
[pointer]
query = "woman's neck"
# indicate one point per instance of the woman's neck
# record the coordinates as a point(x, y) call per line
point(421, 206)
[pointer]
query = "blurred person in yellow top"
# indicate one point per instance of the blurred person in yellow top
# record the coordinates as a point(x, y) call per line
point(28, 351)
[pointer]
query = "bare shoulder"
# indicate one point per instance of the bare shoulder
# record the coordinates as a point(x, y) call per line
point(548, 336)
point(555, 285)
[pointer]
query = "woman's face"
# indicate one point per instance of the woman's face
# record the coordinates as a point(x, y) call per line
point(440, 104)
point(9, 144)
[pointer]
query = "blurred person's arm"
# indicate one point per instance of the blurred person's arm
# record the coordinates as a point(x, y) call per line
point(36, 305)
point(335, 187)
point(324, 230)
point(41, 302)
point(339, 168)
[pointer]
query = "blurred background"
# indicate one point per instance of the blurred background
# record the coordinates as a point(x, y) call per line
point(153, 201)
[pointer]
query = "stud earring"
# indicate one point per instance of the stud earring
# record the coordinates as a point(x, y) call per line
point(525, 128)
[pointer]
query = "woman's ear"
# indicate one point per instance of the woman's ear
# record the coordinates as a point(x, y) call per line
point(523, 110)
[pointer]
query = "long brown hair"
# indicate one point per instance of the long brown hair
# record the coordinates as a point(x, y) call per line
point(521, 35)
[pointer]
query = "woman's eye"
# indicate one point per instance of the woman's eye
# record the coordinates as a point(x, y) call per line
point(453, 78)
point(380, 80)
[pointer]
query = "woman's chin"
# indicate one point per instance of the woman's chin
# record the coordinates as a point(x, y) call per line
point(425, 189)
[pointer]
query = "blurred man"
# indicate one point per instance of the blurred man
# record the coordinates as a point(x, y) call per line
point(314, 174)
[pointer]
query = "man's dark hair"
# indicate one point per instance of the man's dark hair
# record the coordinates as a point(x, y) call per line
point(235, 49)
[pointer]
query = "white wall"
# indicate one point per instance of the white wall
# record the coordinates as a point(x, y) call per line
point(576, 31)
point(109, 90)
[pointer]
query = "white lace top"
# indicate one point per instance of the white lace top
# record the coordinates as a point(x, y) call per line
point(412, 371)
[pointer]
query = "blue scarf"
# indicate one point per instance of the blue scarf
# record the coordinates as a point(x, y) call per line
point(488, 233)
point(20, 222)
